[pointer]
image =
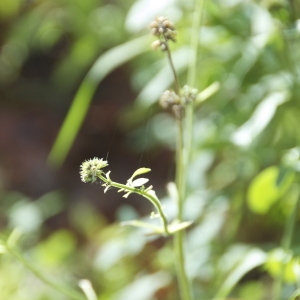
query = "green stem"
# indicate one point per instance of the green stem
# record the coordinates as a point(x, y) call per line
point(183, 153)
point(191, 77)
point(177, 86)
point(153, 199)
point(183, 281)
point(70, 293)
point(287, 240)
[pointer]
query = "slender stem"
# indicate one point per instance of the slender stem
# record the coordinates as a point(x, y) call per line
point(183, 281)
point(70, 293)
point(180, 168)
point(287, 240)
point(191, 77)
point(177, 86)
point(183, 152)
point(153, 199)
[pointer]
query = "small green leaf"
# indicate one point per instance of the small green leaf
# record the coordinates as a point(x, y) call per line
point(266, 189)
point(140, 171)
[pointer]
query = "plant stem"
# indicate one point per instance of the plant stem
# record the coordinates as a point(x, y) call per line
point(191, 77)
point(191, 80)
point(177, 86)
point(287, 239)
point(183, 153)
point(153, 199)
point(183, 281)
point(70, 293)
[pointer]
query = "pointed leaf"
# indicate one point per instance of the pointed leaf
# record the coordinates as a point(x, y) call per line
point(140, 171)
point(139, 182)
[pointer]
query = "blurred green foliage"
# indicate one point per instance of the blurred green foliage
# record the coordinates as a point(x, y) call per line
point(243, 182)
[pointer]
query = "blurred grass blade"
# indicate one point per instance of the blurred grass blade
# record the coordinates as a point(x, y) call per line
point(254, 258)
point(78, 110)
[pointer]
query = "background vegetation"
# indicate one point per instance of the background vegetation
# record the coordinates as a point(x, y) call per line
point(78, 79)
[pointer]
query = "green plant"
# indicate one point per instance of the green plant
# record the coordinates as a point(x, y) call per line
point(181, 102)
point(237, 157)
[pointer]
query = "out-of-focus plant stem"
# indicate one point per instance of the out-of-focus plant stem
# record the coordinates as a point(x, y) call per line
point(287, 241)
point(183, 151)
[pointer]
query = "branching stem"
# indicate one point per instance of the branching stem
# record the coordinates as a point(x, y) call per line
point(144, 193)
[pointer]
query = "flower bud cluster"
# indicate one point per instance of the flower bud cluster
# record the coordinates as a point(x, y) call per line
point(170, 100)
point(162, 26)
point(164, 29)
point(91, 169)
point(188, 94)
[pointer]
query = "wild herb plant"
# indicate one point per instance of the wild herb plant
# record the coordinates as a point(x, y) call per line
point(270, 183)
point(181, 102)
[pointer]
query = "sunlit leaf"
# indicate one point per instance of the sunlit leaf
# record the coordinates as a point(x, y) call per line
point(264, 190)
point(140, 171)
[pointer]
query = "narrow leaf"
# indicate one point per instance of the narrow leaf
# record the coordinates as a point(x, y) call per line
point(103, 66)
point(140, 171)
point(139, 182)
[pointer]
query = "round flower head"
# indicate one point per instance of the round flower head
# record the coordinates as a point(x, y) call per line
point(91, 169)
point(168, 99)
point(163, 26)
point(188, 94)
